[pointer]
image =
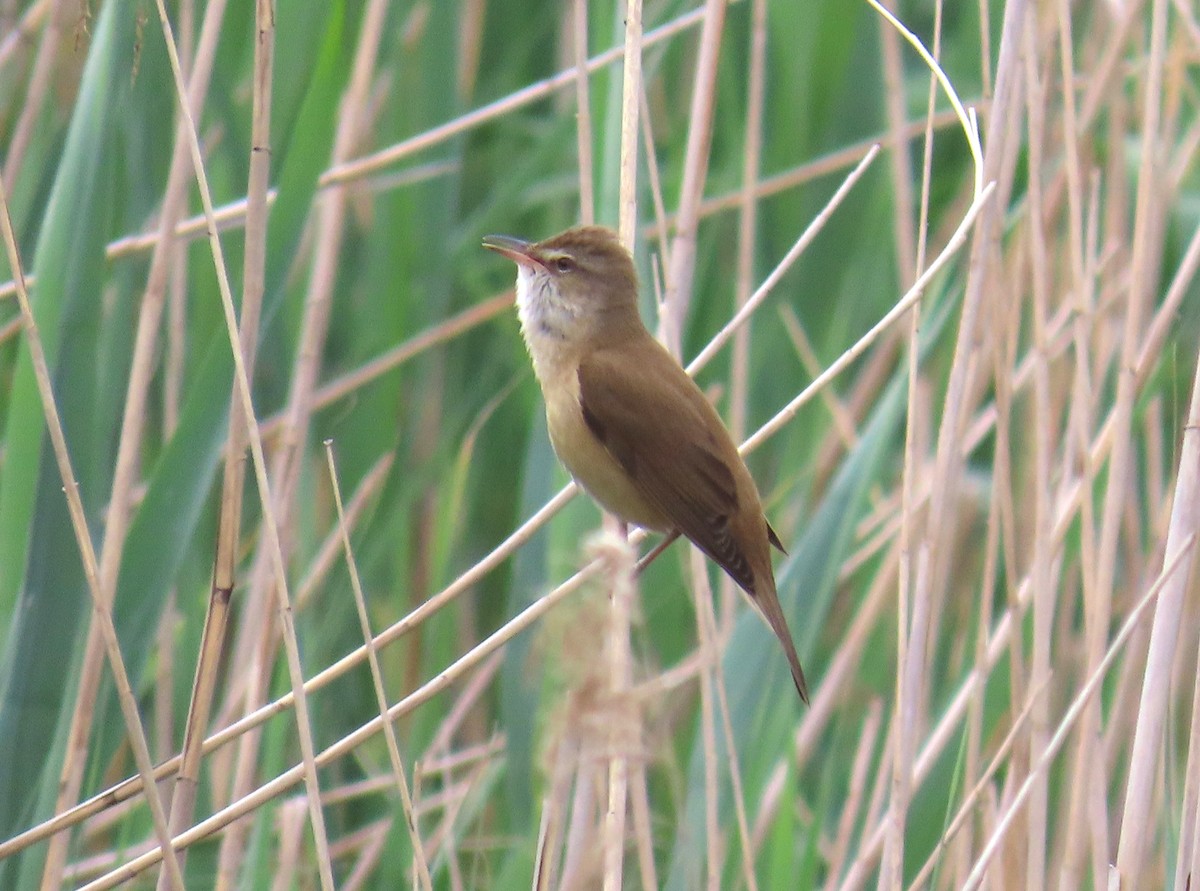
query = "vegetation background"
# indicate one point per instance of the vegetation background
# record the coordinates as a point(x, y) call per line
point(989, 496)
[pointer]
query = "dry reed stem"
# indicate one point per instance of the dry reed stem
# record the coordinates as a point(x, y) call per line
point(931, 123)
point(915, 590)
point(911, 297)
point(351, 170)
point(965, 120)
point(22, 32)
point(290, 819)
point(345, 172)
point(1088, 770)
point(1136, 818)
point(844, 422)
point(581, 849)
point(642, 827)
point(445, 837)
point(11, 328)
point(285, 780)
point(861, 765)
point(910, 589)
point(1083, 403)
point(583, 112)
point(900, 168)
point(620, 583)
point(710, 666)
point(567, 761)
point(81, 870)
point(941, 733)
point(975, 709)
point(389, 732)
point(824, 165)
point(232, 215)
point(654, 185)
point(130, 444)
point(695, 170)
point(370, 843)
point(739, 374)
point(1042, 570)
point(1077, 351)
point(216, 619)
point(473, 691)
point(175, 358)
point(995, 170)
point(769, 803)
point(971, 799)
point(876, 802)
point(470, 577)
point(134, 731)
point(1186, 863)
point(289, 778)
point(891, 872)
point(624, 724)
point(164, 682)
point(840, 673)
point(295, 670)
point(285, 460)
point(763, 291)
point(1001, 634)
point(1175, 561)
point(631, 87)
point(735, 770)
point(342, 386)
point(35, 91)
point(330, 550)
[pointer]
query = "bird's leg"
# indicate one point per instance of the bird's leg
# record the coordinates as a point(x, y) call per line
point(652, 555)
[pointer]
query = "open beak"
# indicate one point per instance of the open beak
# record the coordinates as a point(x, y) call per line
point(516, 249)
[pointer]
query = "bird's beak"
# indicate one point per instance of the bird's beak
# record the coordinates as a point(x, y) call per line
point(516, 249)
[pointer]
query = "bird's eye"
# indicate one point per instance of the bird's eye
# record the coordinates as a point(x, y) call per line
point(564, 264)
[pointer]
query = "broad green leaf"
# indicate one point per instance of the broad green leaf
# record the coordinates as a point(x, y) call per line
point(180, 483)
point(39, 557)
point(763, 703)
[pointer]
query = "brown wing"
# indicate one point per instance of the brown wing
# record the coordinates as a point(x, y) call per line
point(666, 440)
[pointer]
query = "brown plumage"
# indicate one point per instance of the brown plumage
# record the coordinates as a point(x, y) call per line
point(627, 421)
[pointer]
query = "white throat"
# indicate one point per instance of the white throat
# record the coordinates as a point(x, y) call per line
point(546, 321)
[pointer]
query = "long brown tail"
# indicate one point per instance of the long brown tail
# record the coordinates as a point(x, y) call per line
point(767, 602)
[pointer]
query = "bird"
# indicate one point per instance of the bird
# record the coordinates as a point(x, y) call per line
point(628, 423)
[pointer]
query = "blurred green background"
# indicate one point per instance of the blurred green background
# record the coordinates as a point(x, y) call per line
point(461, 420)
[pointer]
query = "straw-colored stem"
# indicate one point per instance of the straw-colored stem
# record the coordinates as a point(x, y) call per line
point(389, 732)
point(212, 642)
point(695, 171)
point(583, 112)
point(241, 377)
point(130, 443)
point(102, 608)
